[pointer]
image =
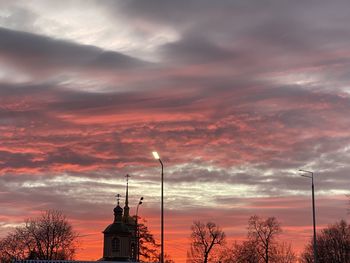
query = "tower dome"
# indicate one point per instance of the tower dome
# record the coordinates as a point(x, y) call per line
point(118, 211)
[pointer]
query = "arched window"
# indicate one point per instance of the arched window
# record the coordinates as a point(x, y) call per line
point(115, 244)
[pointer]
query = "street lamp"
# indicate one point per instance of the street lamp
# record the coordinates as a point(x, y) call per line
point(156, 156)
point(138, 231)
point(313, 210)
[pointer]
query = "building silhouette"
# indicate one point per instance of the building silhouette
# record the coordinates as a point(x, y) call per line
point(120, 238)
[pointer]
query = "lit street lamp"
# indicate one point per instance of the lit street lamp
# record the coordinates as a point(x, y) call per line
point(156, 156)
point(138, 231)
point(313, 210)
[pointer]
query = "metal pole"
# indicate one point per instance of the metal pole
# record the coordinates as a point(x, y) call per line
point(156, 156)
point(137, 238)
point(314, 219)
point(313, 213)
point(138, 231)
point(162, 214)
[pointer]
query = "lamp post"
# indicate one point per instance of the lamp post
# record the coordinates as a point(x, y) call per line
point(313, 210)
point(156, 156)
point(137, 231)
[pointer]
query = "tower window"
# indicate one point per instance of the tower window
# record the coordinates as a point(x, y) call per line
point(115, 244)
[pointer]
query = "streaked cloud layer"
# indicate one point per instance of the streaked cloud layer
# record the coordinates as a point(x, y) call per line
point(235, 95)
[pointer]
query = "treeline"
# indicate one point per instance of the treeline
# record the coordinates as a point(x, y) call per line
point(51, 237)
point(209, 244)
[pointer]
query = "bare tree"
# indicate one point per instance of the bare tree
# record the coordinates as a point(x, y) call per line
point(12, 249)
point(244, 252)
point(204, 238)
point(263, 233)
point(333, 245)
point(49, 237)
point(261, 245)
point(247, 252)
point(284, 254)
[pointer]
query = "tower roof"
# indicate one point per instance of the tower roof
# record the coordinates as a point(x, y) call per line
point(117, 228)
point(126, 207)
point(118, 210)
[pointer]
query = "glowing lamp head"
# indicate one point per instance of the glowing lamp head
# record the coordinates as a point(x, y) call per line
point(156, 156)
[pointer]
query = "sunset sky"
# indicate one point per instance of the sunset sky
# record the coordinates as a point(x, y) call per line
point(236, 96)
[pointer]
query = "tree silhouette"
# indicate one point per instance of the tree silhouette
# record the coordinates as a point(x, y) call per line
point(149, 248)
point(240, 253)
point(204, 238)
point(49, 237)
point(333, 245)
point(284, 254)
point(262, 233)
point(261, 245)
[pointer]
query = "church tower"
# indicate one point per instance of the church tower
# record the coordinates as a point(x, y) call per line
point(120, 240)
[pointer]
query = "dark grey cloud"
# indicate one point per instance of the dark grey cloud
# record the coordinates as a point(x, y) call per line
point(257, 37)
point(195, 49)
point(40, 52)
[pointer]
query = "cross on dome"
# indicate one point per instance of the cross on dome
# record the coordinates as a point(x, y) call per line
point(118, 198)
